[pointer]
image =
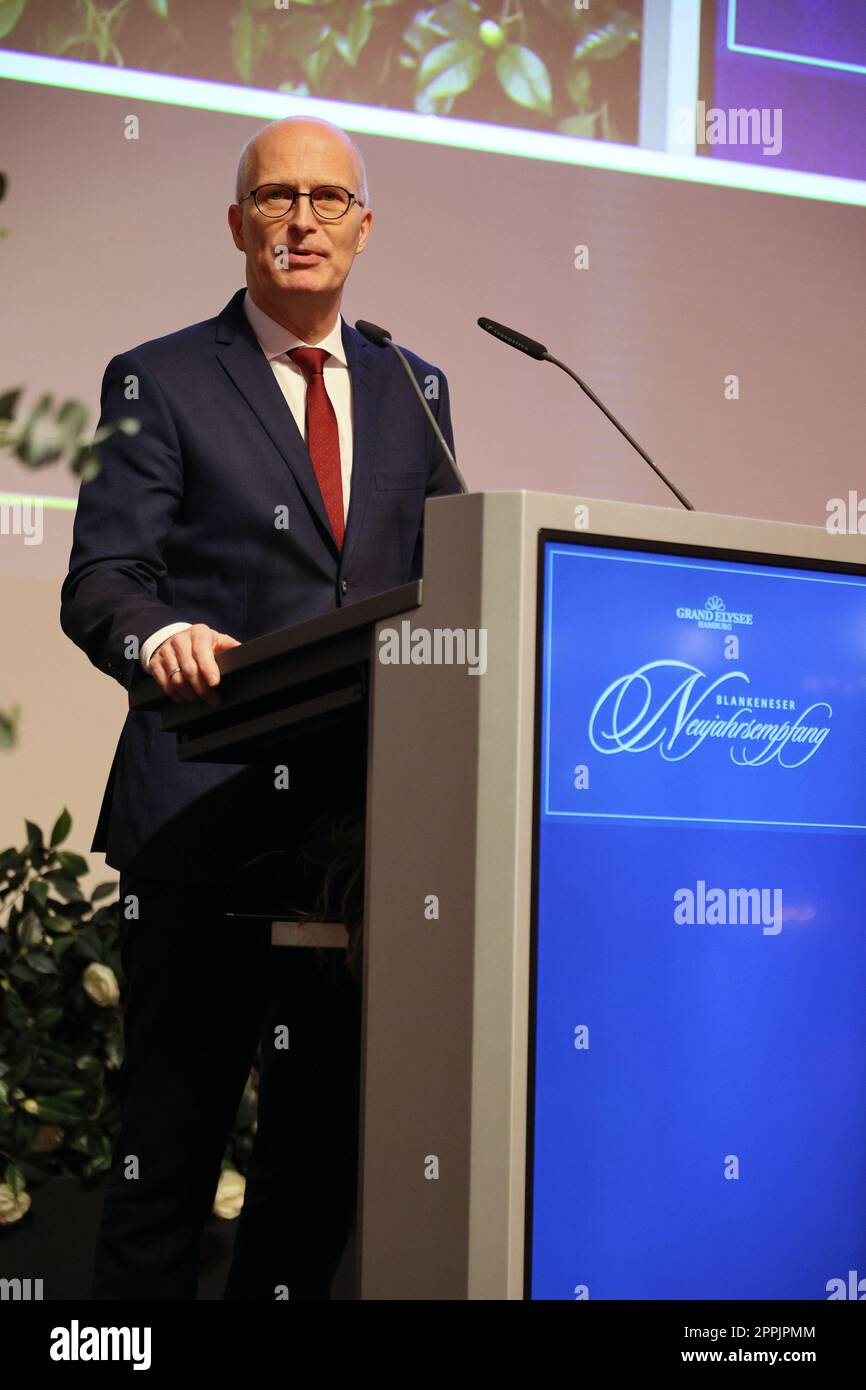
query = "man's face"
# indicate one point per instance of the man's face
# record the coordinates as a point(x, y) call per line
point(320, 253)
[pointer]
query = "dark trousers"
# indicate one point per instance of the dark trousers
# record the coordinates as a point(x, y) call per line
point(201, 991)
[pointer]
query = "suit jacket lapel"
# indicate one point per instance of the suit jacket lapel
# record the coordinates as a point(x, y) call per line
point(241, 356)
point(362, 358)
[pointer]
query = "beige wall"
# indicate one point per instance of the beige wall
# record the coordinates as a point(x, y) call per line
point(71, 716)
point(112, 242)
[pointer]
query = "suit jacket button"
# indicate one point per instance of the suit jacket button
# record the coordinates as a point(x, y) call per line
point(344, 586)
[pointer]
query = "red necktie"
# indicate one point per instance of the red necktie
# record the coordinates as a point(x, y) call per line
point(323, 438)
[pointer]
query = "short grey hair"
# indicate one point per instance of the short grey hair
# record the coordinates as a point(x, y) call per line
point(247, 157)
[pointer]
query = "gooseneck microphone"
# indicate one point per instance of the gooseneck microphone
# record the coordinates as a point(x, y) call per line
point(540, 353)
point(380, 337)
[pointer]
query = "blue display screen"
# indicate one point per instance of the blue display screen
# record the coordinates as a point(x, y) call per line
point(697, 1124)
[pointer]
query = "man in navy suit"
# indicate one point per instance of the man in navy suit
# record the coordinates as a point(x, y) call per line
point(280, 471)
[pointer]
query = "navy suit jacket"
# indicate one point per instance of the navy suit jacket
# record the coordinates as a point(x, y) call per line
point(179, 526)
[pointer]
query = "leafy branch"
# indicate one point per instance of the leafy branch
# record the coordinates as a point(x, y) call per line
point(61, 1025)
point(53, 431)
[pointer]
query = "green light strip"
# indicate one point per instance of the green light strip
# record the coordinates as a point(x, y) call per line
point(57, 504)
point(236, 100)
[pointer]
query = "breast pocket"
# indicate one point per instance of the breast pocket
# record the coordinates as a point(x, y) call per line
point(388, 482)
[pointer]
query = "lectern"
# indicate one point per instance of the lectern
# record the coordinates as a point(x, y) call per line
point(615, 950)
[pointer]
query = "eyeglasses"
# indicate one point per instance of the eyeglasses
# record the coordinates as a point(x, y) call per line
point(276, 199)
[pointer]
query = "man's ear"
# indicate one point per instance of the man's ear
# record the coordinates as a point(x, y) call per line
point(235, 221)
point(364, 231)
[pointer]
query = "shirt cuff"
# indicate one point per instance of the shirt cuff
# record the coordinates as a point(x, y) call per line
point(156, 639)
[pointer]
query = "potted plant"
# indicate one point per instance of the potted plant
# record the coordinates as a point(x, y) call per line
point(61, 1050)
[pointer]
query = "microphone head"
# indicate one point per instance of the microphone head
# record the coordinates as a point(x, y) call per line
point(514, 339)
point(373, 333)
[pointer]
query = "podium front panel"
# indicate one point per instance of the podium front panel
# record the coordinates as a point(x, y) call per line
point(582, 1076)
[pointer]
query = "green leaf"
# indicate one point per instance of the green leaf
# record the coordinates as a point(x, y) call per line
point(61, 945)
point(62, 826)
point(448, 69)
point(583, 125)
point(84, 1142)
point(315, 63)
point(58, 925)
point(578, 85)
point(104, 916)
point(14, 1177)
point(524, 77)
point(21, 971)
point(70, 1093)
point(8, 858)
point(42, 406)
point(9, 399)
point(73, 864)
point(46, 1018)
point(43, 965)
point(446, 23)
point(422, 36)
point(159, 7)
point(72, 420)
point(303, 34)
point(62, 887)
point(10, 13)
point(34, 835)
point(86, 949)
point(609, 40)
point(460, 18)
point(51, 1114)
point(15, 1010)
point(249, 40)
point(103, 890)
point(9, 727)
point(359, 30)
point(242, 40)
point(38, 891)
point(85, 465)
point(29, 930)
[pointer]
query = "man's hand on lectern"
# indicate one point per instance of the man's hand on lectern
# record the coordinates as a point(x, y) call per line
point(184, 667)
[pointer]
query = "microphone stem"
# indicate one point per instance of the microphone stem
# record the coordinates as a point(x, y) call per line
point(623, 431)
point(430, 416)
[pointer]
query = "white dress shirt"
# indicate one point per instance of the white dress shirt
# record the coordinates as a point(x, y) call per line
point(275, 342)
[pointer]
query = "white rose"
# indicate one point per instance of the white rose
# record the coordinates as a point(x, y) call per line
point(12, 1208)
point(100, 983)
point(229, 1194)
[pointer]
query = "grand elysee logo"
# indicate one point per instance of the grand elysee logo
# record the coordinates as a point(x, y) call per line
point(673, 706)
point(714, 615)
